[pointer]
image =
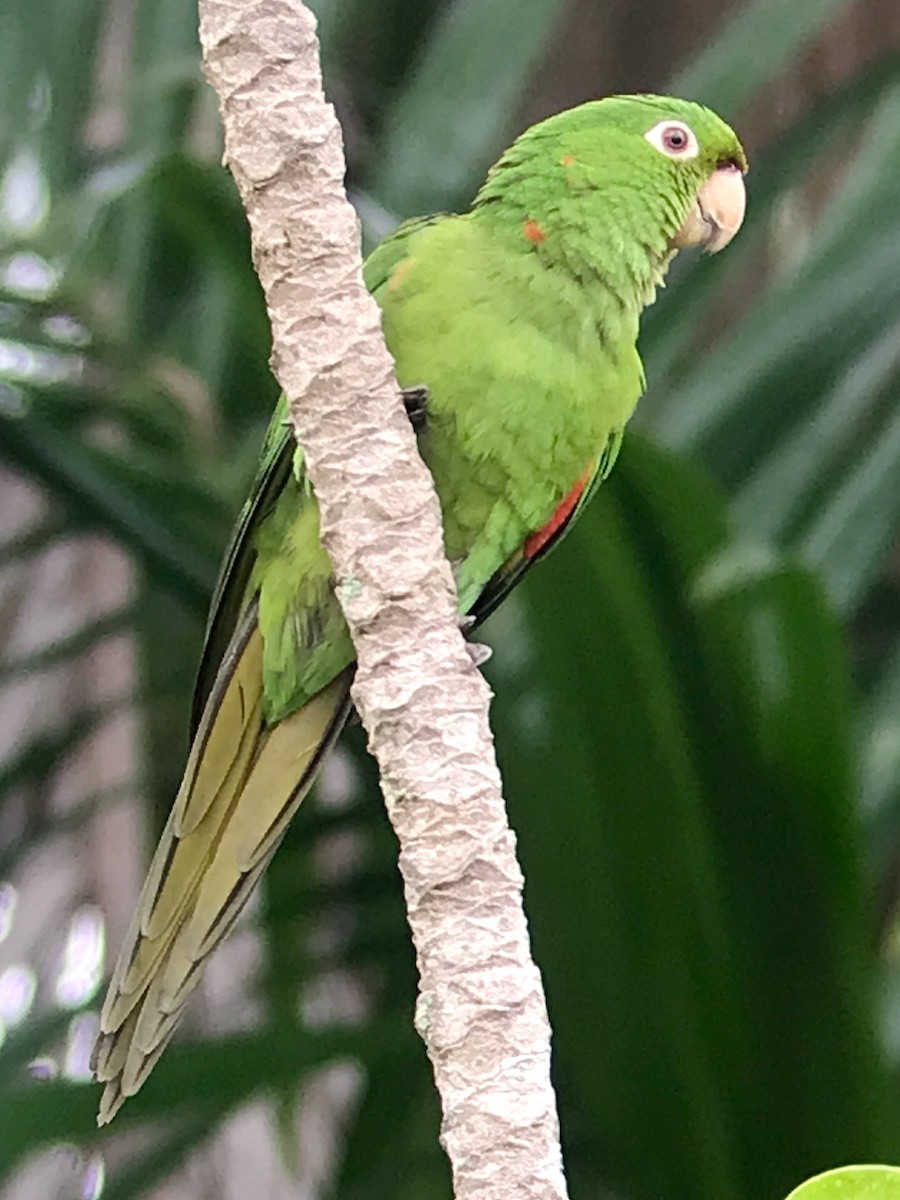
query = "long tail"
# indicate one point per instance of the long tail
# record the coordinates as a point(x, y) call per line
point(241, 786)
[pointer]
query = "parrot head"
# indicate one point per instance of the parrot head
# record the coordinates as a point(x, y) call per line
point(696, 147)
point(650, 171)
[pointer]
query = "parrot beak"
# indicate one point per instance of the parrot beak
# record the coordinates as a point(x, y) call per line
point(718, 212)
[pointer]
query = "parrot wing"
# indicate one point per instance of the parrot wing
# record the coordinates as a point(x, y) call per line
point(276, 462)
point(230, 592)
point(541, 543)
point(386, 257)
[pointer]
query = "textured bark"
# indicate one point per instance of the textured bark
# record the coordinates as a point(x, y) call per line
point(481, 1008)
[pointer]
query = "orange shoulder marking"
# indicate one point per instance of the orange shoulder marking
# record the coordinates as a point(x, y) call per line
point(398, 274)
point(533, 231)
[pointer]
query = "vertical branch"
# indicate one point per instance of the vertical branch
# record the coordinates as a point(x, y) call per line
point(481, 1008)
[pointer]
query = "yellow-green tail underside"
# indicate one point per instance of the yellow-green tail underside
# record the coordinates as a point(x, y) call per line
point(242, 785)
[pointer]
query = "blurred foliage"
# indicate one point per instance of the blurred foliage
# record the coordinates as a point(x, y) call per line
point(698, 698)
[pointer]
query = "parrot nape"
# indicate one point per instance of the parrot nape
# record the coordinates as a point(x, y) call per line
point(515, 326)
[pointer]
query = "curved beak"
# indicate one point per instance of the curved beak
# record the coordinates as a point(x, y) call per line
point(718, 212)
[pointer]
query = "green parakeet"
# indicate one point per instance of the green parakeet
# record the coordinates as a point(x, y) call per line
point(520, 318)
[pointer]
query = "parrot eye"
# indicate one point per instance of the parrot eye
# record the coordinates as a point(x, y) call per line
point(674, 139)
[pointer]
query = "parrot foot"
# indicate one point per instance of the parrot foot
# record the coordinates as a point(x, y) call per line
point(415, 401)
point(478, 652)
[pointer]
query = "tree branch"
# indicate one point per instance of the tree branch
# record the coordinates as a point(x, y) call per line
point(481, 1008)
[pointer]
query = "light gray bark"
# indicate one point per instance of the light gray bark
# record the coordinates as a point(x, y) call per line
point(481, 1008)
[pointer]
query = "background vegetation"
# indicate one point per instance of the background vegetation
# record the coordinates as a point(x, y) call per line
point(698, 698)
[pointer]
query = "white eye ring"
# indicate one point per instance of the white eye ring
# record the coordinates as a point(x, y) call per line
point(674, 139)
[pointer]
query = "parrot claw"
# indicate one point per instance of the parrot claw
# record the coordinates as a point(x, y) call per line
point(479, 653)
point(415, 401)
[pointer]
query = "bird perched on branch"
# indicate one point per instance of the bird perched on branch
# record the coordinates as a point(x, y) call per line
point(514, 330)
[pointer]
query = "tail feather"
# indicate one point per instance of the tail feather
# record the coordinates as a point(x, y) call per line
point(135, 1073)
point(216, 757)
point(185, 859)
point(242, 785)
point(110, 1053)
point(217, 767)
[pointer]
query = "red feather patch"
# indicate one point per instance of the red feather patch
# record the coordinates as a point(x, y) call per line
point(537, 541)
point(533, 232)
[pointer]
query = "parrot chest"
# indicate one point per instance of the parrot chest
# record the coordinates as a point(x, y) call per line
point(509, 437)
point(529, 374)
